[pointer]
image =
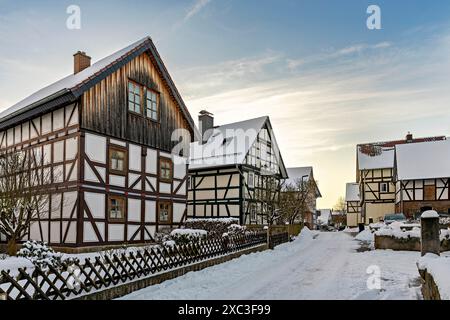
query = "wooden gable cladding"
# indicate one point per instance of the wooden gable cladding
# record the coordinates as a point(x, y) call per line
point(105, 107)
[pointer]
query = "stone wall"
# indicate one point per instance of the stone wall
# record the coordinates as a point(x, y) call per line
point(430, 290)
point(410, 208)
point(408, 244)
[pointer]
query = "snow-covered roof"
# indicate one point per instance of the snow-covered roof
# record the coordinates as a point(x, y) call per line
point(352, 192)
point(229, 144)
point(425, 160)
point(325, 215)
point(302, 173)
point(80, 82)
point(375, 157)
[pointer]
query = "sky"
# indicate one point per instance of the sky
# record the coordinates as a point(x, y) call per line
point(326, 81)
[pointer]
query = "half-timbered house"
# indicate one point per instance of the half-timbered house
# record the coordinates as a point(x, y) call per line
point(375, 175)
point(353, 204)
point(422, 173)
point(305, 176)
point(235, 171)
point(106, 130)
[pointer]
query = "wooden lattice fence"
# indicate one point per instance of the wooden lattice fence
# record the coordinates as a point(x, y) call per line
point(77, 279)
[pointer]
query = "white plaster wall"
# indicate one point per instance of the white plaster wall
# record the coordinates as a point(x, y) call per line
point(58, 151)
point(178, 211)
point(116, 232)
point(58, 119)
point(153, 183)
point(164, 187)
point(150, 211)
point(25, 131)
point(151, 230)
point(117, 180)
point(72, 232)
point(55, 235)
point(182, 190)
point(151, 161)
point(95, 148)
point(89, 234)
point(134, 210)
point(131, 231)
point(96, 204)
point(74, 119)
point(17, 134)
point(71, 148)
point(89, 174)
point(46, 123)
point(179, 167)
point(69, 200)
point(134, 156)
point(74, 174)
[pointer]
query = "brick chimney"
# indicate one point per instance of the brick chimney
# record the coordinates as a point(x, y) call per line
point(409, 137)
point(81, 61)
point(205, 122)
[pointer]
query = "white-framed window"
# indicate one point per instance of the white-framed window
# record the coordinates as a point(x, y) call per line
point(384, 187)
point(152, 105)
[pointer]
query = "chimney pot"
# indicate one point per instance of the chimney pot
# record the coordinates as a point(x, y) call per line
point(81, 61)
point(206, 124)
point(409, 137)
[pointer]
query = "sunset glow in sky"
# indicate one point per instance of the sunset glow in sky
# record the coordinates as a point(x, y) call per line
point(325, 80)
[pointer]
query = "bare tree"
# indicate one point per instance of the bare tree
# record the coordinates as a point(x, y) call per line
point(269, 197)
point(340, 205)
point(297, 199)
point(24, 194)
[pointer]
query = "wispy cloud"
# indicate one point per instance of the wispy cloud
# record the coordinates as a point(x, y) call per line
point(328, 103)
point(196, 8)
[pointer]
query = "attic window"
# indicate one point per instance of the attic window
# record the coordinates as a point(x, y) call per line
point(134, 97)
point(152, 105)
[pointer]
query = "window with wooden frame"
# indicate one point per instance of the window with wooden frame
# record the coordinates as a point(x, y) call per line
point(152, 105)
point(134, 97)
point(164, 212)
point(117, 160)
point(116, 208)
point(384, 187)
point(165, 169)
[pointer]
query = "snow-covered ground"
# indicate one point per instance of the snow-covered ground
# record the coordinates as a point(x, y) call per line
point(317, 265)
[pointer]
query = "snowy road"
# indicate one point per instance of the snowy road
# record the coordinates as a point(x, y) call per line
point(324, 267)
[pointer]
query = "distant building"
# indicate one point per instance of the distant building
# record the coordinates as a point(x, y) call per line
point(235, 171)
point(306, 174)
point(375, 175)
point(338, 218)
point(324, 218)
point(423, 178)
point(353, 204)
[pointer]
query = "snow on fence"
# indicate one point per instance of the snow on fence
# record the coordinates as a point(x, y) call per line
point(75, 280)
